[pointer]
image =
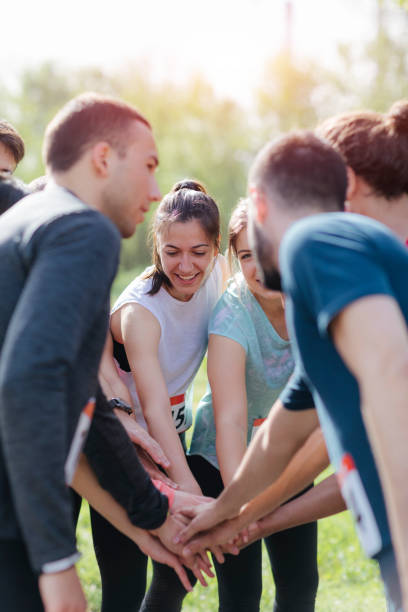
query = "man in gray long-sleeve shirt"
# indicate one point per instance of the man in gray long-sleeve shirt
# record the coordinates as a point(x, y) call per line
point(58, 256)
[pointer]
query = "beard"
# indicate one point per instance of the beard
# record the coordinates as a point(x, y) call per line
point(263, 250)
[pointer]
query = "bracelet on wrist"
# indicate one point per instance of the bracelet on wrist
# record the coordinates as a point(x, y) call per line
point(115, 402)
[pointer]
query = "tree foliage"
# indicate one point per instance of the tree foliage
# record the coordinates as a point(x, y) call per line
point(214, 139)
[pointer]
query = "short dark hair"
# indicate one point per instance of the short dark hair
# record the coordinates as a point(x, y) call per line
point(301, 170)
point(187, 200)
point(84, 121)
point(12, 140)
point(11, 191)
point(374, 145)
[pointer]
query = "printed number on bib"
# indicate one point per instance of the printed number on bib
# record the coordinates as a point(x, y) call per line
point(179, 412)
point(255, 426)
point(78, 441)
point(357, 502)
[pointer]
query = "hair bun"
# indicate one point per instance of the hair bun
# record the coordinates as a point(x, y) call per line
point(189, 184)
point(398, 116)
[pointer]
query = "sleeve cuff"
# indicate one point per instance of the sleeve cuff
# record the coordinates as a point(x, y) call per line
point(62, 564)
point(165, 490)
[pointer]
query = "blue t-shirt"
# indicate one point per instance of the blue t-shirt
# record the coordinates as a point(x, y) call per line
point(268, 365)
point(296, 395)
point(327, 262)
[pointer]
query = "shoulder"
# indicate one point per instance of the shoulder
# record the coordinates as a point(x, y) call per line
point(331, 230)
point(325, 242)
point(136, 292)
point(231, 307)
point(57, 214)
point(135, 326)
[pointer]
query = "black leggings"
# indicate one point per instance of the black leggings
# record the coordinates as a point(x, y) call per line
point(292, 553)
point(122, 565)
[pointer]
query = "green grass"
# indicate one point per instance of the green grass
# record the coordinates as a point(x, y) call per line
point(348, 581)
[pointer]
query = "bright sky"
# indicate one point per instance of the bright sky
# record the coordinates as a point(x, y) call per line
point(227, 40)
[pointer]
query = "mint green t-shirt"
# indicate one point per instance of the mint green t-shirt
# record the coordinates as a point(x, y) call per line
point(269, 363)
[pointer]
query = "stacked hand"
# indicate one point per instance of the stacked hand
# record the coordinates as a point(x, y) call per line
point(168, 535)
point(209, 529)
point(143, 439)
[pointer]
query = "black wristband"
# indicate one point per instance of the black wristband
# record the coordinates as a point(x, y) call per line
point(115, 402)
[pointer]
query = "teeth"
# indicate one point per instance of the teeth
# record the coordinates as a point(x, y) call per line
point(187, 278)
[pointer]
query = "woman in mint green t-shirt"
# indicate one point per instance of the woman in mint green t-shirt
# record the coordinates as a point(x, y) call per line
point(249, 363)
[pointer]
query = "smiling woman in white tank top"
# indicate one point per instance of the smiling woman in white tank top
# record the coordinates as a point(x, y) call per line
point(159, 330)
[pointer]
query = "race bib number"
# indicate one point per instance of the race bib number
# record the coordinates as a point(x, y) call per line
point(357, 502)
point(179, 412)
point(78, 440)
point(255, 426)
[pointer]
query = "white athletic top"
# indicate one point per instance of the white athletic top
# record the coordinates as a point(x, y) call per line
point(183, 340)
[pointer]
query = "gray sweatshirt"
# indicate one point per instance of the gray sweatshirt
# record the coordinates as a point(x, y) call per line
point(58, 258)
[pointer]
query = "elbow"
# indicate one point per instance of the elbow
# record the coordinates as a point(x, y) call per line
point(397, 368)
point(391, 371)
point(11, 387)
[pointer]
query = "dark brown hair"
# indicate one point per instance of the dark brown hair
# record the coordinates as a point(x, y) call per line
point(84, 121)
point(11, 191)
point(301, 170)
point(374, 145)
point(12, 140)
point(187, 200)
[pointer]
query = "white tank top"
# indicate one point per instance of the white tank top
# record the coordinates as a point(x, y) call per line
point(183, 338)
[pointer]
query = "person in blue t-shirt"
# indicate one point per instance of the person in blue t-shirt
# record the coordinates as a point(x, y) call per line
point(249, 363)
point(347, 306)
point(345, 253)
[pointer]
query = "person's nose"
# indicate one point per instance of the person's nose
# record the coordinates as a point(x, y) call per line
point(185, 263)
point(155, 194)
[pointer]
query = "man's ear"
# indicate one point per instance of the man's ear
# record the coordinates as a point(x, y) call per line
point(351, 183)
point(260, 205)
point(100, 154)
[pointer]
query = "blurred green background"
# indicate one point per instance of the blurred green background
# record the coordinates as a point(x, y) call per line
point(204, 135)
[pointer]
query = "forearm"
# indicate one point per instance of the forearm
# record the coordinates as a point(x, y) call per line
point(114, 460)
point(266, 458)
point(161, 428)
point(114, 387)
point(322, 500)
point(231, 446)
point(387, 434)
point(109, 378)
point(371, 337)
point(308, 463)
point(86, 484)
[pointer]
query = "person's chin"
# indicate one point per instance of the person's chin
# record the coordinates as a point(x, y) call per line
point(140, 216)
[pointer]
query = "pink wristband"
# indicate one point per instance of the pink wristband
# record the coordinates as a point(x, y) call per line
point(166, 490)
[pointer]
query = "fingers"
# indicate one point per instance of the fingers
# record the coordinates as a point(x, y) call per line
point(159, 475)
point(182, 520)
point(218, 541)
point(218, 554)
point(244, 535)
point(140, 437)
point(205, 563)
point(231, 547)
point(199, 568)
point(156, 452)
point(199, 523)
point(199, 565)
point(182, 574)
